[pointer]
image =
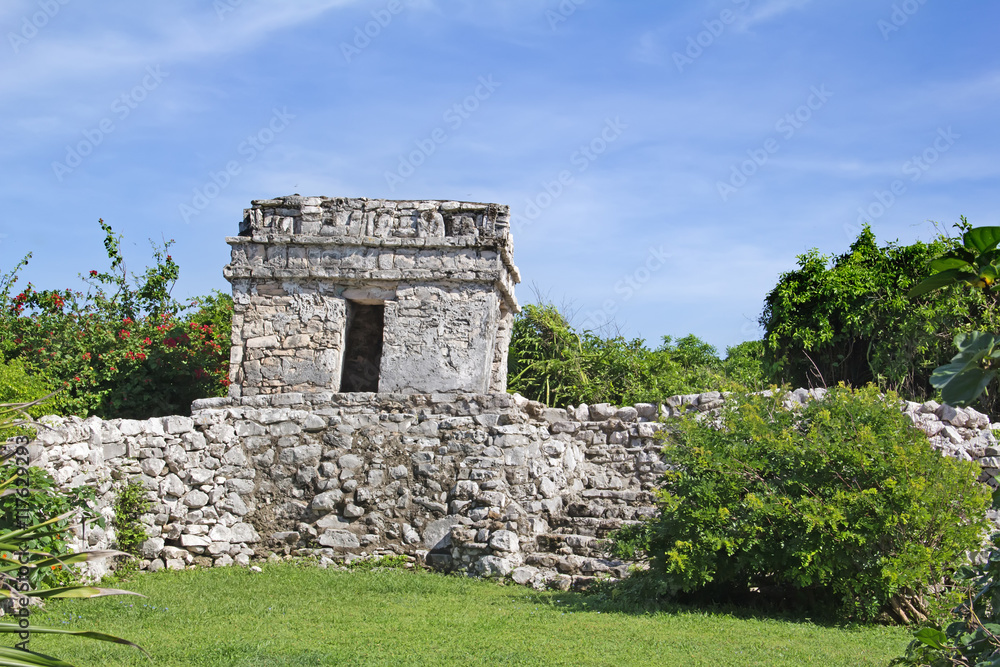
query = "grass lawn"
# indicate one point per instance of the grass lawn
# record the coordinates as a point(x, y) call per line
point(293, 615)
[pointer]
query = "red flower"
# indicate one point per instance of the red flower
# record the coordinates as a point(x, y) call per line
point(86, 356)
point(146, 341)
point(170, 342)
point(123, 334)
point(77, 378)
point(141, 356)
point(93, 273)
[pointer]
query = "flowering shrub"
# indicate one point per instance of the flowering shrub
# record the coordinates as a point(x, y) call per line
point(125, 348)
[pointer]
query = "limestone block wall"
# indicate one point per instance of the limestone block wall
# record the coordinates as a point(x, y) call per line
point(441, 275)
point(490, 484)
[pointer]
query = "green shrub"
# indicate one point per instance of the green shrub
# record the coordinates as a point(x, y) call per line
point(744, 365)
point(394, 561)
point(42, 500)
point(842, 503)
point(18, 385)
point(130, 504)
point(848, 318)
point(973, 635)
point(551, 362)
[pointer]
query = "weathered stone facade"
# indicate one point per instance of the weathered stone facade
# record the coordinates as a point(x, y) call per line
point(371, 295)
point(489, 484)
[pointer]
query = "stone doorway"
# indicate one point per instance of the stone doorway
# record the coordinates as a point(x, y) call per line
point(362, 347)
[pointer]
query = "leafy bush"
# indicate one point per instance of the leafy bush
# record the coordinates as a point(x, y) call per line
point(973, 637)
point(34, 548)
point(551, 362)
point(41, 500)
point(744, 365)
point(17, 385)
point(130, 504)
point(848, 319)
point(842, 503)
point(123, 349)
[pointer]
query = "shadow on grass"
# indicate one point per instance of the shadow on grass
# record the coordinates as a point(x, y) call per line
point(756, 607)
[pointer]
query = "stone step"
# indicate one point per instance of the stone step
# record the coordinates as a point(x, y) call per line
point(590, 525)
point(567, 544)
point(575, 565)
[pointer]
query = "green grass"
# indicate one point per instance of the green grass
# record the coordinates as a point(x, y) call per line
point(292, 615)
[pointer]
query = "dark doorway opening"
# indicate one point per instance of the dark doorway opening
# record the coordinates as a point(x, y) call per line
point(362, 347)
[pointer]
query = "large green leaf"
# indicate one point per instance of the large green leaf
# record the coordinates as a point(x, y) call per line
point(964, 379)
point(948, 261)
point(939, 280)
point(982, 239)
point(12, 657)
point(932, 637)
point(989, 257)
point(965, 387)
point(974, 342)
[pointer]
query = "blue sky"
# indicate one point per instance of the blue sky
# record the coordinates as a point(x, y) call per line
point(664, 162)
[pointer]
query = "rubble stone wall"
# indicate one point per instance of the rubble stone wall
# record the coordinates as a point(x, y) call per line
point(490, 484)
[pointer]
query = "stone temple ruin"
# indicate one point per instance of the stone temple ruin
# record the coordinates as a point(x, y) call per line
point(360, 295)
point(368, 414)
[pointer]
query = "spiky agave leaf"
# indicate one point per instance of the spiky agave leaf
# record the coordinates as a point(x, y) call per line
point(14, 628)
point(12, 657)
point(81, 591)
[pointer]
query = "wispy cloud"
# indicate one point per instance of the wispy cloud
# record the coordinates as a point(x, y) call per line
point(161, 34)
point(771, 10)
